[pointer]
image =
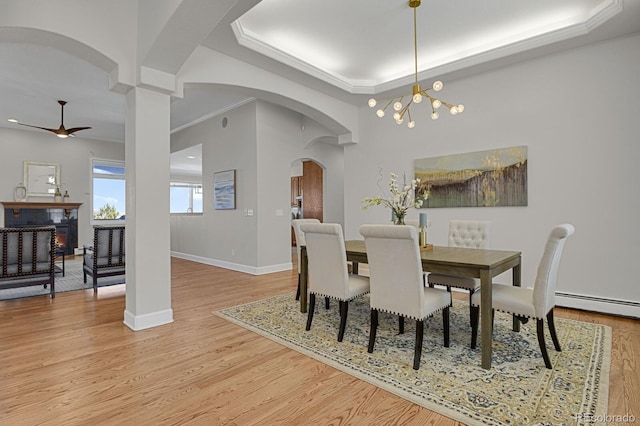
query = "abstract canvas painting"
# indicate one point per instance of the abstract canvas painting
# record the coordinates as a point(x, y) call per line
point(493, 178)
point(224, 190)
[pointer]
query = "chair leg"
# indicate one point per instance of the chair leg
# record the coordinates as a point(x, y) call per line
point(445, 326)
point(344, 308)
point(471, 291)
point(85, 276)
point(312, 307)
point(372, 330)
point(552, 329)
point(543, 346)
point(418, 349)
point(326, 303)
point(475, 316)
point(95, 283)
point(400, 324)
point(298, 291)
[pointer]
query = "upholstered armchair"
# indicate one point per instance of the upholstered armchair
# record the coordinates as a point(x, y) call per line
point(536, 302)
point(396, 282)
point(106, 257)
point(328, 272)
point(469, 234)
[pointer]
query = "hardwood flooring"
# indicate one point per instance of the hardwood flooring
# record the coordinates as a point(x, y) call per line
point(71, 361)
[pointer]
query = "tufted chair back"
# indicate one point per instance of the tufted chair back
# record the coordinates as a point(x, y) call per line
point(469, 233)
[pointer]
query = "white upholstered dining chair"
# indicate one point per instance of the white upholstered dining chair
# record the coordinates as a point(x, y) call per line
point(396, 282)
point(328, 272)
point(536, 302)
point(300, 241)
point(468, 234)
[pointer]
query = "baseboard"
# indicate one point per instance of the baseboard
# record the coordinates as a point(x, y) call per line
point(626, 308)
point(252, 270)
point(142, 322)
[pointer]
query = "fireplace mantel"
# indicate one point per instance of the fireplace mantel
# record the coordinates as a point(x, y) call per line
point(18, 205)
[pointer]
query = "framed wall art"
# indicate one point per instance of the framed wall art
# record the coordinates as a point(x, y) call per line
point(224, 190)
point(493, 178)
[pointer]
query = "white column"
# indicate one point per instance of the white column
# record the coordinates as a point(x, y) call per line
point(147, 159)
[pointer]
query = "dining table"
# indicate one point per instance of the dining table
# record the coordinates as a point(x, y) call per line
point(484, 264)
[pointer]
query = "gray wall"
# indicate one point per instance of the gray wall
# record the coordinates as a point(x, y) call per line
point(578, 112)
point(260, 141)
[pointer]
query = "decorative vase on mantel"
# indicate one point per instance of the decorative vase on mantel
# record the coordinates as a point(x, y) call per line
point(20, 193)
point(65, 197)
point(58, 195)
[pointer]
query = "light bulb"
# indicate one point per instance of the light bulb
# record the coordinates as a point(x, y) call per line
point(400, 120)
point(396, 116)
point(460, 108)
point(12, 120)
point(453, 110)
point(62, 136)
point(436, 103)
point(411, 124)
point(397, 106)
point(417, 98)
point(372, 102)
point(380, 113)
point(437, 85)
point(435, 115)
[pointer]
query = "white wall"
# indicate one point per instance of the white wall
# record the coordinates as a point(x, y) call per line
point(74, 156)
point(260, 142)
point(578, 112)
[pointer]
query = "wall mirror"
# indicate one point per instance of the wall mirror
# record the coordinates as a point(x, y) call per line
point(41, 178)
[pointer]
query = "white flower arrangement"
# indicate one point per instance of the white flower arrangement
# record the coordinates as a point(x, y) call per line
point(400, 200)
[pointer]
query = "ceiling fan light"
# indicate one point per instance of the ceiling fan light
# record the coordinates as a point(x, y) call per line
point(62, 135)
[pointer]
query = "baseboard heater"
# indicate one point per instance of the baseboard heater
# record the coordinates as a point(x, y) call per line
point(626, 308)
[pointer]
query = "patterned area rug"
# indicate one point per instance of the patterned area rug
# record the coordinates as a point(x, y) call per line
point(518, 390)
point(71, 281)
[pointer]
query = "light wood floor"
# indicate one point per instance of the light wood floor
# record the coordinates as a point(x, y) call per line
point(71, 361)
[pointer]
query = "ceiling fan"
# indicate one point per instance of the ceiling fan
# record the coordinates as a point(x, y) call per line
point(61, 132)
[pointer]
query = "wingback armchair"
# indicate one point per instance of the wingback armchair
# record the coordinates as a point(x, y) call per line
point(106, 258)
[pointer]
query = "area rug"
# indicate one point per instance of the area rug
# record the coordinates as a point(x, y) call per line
point(517, 390)
point(71, 281)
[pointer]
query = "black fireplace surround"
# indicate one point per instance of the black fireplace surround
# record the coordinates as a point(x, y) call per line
point(66, 226)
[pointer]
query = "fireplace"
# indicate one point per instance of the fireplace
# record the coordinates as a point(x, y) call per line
point(61, 215)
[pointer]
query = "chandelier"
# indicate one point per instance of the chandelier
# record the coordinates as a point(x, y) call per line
point(418, 94)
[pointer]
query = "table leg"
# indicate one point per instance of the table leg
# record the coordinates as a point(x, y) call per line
point(303, 278)
point(485, 317)
point(516, 283)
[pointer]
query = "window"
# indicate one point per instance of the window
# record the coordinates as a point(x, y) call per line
point(186, 197)
point(108, 189)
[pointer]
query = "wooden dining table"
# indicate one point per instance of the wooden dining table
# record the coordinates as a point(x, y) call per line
point(467, 262)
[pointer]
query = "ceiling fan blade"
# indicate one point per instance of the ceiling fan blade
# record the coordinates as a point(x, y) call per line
point(75, 129)
point(38, 127)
